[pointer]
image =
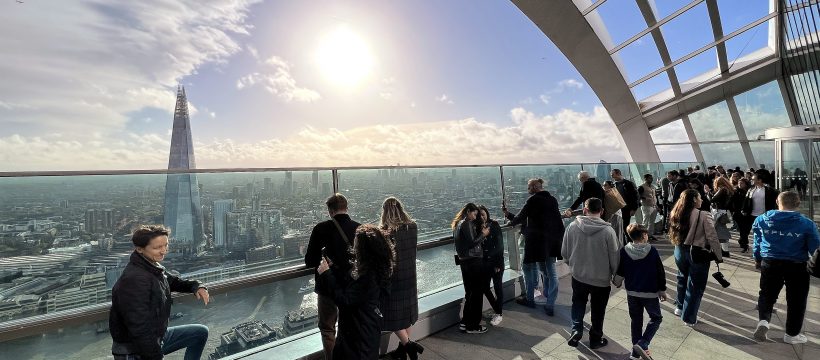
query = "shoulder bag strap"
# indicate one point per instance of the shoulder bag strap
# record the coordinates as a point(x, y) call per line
point(341, 232)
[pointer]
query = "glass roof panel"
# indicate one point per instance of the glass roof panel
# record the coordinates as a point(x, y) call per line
point(688, 32)
point(622, 18)
point(657, 87)
point(698, 70)
point(802, 25)
point(675, 153)
point(639, 58)
point(673, 132)
point(713, 123)
point(665, 8)
point(735, 14)
point(730, 155)
point(762, 108)
point(748, 46)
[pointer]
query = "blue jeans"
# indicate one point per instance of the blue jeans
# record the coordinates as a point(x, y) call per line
point(637, 305)
point(192, 337)
point(692, 278)
point(548, 275)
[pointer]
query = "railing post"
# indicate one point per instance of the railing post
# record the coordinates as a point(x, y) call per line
point(335, 175)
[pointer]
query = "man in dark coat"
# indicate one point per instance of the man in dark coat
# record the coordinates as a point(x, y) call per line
point(589, 189)
point(141, 304)
point(332, 238)
point(671, 193)
point(543, 232)
point(630, 195)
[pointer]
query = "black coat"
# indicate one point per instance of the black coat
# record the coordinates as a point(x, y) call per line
point(360, 320)
point(589, 189)
point(543, 228)
point(494, 246)
point(679, 188)
point(629, 193)
point(326, 236)
point(141, 305)
point(401, 306)
point(771, 200)
point(737, 200)
point(721, 200)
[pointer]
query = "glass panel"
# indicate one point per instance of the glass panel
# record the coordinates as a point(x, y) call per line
point(713, 123)
point(806, 93)
point(763, 153)
point(729, 155)
point(639, 58)
point(432, 196)
point(622, 18)
point(673, 132)
point(655, 89)
point(735, 14)
point(748, 46)
point(560, 180)
point(795, 173)
point(762, 108)
point(688, 32)
point(665, 8)
point(698, 70)
point(675, 153)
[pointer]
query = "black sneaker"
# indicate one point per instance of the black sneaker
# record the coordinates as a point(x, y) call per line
point(549, 310)
point(725, 254)
point(479, 330)
point(525, 302)
point(597, 344)
point(575, 338)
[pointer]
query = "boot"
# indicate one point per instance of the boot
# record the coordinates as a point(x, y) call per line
point(400, 353)
point(414, 349)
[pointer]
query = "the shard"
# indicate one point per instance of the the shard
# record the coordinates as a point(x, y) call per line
point(183, 213)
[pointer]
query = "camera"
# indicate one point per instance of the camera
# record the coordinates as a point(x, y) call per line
point(721, 279)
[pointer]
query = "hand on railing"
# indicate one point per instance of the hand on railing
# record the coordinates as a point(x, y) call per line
point(202, 293)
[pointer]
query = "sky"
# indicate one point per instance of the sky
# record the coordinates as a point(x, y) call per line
point(91, 84)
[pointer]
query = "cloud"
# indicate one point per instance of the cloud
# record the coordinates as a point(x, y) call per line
point(95, 62)
point(570, 84)
point(444, 99)
point(544, 98)
point(386, 95)
point(278, 81)
point(565, 136)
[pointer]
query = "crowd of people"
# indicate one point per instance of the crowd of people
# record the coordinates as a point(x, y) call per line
point(366, 273)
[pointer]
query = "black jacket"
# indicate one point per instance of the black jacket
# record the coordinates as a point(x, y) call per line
point(326, 236)
point(589, 189)
point(360, 320)
point(629, 193)
point(721, 200)
point(679, 188)
point(494, 246)
point(543, 228)
point(141, 305)
point(737, 200)
point(771, 200)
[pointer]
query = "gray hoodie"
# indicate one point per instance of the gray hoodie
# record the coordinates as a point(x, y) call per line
point(591, 248)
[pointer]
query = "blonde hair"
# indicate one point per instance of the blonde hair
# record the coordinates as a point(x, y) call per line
point(393, 215)
point(722, 182)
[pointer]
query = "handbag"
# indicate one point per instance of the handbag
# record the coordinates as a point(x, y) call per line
point(721, 216)
point(701, 255)
point(814, 264)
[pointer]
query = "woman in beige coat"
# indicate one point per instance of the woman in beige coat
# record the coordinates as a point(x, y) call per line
point(692, 231)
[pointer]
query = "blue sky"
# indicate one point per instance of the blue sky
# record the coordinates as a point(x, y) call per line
point(90, 84)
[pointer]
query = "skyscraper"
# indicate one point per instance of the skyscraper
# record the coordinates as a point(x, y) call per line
point(315, 181)
point(221, 209)
point(183, 213)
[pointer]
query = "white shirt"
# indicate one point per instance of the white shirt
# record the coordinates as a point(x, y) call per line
point(758, 201)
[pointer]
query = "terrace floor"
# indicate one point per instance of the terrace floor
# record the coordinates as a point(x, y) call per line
point(725, 327)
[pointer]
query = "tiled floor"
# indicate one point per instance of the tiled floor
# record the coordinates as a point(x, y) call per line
point(724, 331)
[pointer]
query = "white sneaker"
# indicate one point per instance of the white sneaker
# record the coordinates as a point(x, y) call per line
point(540, 300)
point(762, 329)
point(496, 320)
point(797, 339)
point(677, 312)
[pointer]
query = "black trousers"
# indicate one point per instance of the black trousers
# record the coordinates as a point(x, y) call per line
point(744, 227)
point(475, 281)
point(625, 214)
point(773, 275)
point(497, 300)
point(598, 297)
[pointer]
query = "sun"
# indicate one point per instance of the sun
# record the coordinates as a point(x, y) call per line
point(344, 58)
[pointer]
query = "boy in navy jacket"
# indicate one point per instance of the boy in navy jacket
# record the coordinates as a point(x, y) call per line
point(641, 269)
point(783, 241)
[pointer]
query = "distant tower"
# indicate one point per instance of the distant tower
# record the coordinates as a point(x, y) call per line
point(183, 213)
point(221, 208)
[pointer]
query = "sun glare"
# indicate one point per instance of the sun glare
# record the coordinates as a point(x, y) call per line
point(344, 57)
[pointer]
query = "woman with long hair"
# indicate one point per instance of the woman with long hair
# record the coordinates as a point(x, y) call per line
point(401, 307)
point(721, 196)
point(470, 258)
point(358, 294)
point(692, 231)
point(493, 247)
point(613, 203)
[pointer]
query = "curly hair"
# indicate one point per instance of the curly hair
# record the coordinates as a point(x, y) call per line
point(372, 252)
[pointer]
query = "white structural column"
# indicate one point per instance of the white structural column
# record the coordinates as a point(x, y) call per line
point(566, 27)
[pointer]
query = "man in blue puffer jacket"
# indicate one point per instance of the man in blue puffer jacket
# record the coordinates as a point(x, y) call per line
point(783, 240)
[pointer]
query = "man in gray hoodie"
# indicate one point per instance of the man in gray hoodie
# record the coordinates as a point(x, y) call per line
point(591, 249)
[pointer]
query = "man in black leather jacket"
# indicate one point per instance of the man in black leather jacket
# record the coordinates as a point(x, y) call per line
point(141, 304)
